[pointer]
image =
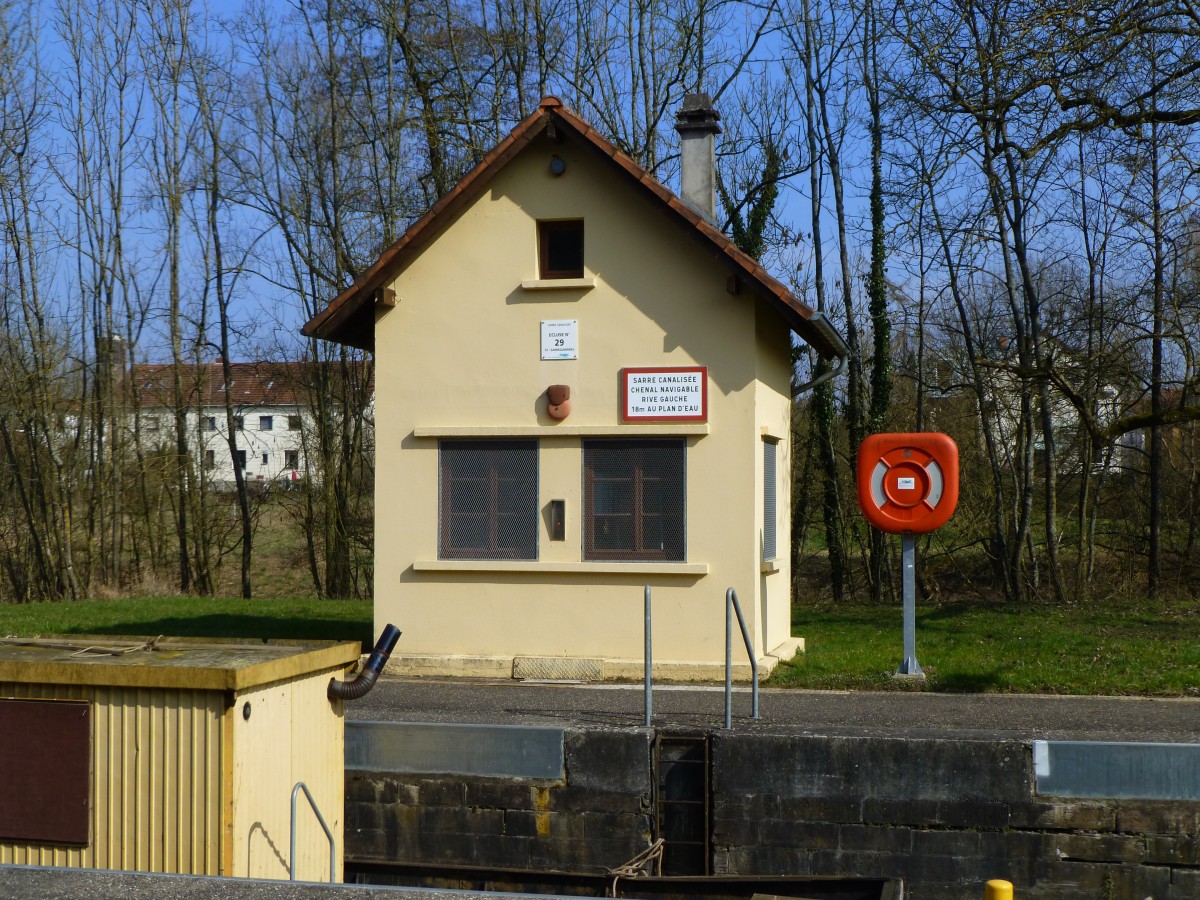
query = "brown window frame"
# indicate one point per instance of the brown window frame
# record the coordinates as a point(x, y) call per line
point(637, 480)
point(487, 473)
point(546, 230)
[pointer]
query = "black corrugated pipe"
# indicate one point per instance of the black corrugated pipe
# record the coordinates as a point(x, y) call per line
point(352, 690)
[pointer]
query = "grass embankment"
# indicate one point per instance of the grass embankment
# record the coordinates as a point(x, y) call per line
point(1110, 648)
point(348, 620)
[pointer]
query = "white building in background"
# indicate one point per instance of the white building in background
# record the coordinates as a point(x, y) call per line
point(270, 419)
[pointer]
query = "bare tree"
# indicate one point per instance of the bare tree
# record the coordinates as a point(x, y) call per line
point(165, 34)
point(211, 80)
point(304, 175)
point(39, 384)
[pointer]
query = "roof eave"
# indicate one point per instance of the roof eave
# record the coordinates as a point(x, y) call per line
point(350, 318)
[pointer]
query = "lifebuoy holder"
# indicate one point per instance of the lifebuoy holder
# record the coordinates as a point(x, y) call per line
point(908, 482)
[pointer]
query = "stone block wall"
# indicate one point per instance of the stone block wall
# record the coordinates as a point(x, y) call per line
point(594, 819)
point(943, 814)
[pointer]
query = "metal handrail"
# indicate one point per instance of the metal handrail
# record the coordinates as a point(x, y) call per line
point(732, 606)
point(328, 834)
point(649, 677)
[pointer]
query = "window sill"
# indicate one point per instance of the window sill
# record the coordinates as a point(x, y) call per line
point(559, 568)
point(768, 566)
point(558, 284)
point(564, 430)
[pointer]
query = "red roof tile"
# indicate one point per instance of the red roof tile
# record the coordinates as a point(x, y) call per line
point(250, 384)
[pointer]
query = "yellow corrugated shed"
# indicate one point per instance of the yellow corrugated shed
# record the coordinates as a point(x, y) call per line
point(194, 746)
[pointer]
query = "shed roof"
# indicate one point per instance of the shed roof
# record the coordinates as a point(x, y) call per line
point(167, 662)
point(350, 318)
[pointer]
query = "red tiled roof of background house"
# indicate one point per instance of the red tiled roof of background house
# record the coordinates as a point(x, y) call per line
point(250, 384)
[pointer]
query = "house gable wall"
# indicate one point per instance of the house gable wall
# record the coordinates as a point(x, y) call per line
point(460, 354)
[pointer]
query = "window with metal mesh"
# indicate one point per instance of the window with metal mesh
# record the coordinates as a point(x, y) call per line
point(488, 500)
point(634, 500)
point(770, 449)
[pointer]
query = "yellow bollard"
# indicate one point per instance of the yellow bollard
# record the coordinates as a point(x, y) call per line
point(998, 890)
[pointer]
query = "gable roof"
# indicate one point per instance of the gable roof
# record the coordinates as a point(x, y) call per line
point(263, 383)
point(350, 318)
point(250, 384)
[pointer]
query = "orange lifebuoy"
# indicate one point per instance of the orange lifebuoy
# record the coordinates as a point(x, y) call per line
point(908, 482)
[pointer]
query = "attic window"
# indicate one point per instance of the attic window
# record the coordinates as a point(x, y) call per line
point(560, 249)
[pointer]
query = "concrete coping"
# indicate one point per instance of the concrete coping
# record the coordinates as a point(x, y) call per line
point(167, 662)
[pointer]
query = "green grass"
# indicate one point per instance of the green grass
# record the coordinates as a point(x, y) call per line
point(1100, 649)
point(195, 617)
point(1103, 648)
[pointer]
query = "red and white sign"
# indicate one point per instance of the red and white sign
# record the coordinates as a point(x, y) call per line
point(664, 394)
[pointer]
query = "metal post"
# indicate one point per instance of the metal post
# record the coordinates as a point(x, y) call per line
point(300, 785)
point(998, 889)
point(649, 679)
point(908, 557)
point(732, 606)
point(728, 660)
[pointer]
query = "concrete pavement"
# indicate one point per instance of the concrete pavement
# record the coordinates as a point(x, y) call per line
point(1006, 716)
point(33, 883)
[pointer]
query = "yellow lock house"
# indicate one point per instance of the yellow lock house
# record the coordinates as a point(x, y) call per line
point(582, 388)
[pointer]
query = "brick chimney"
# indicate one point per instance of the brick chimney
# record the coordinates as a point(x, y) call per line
point(118, 359)
point(697, 124)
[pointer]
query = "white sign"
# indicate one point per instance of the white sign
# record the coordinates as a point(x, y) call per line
point(560, 339)
point(665, 394)
point(906, 484)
